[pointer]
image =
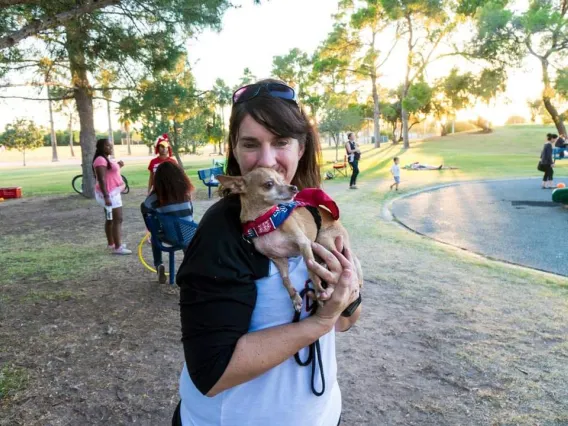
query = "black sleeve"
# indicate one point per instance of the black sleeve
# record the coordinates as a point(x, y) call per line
point(548, 154)
point(217, 292)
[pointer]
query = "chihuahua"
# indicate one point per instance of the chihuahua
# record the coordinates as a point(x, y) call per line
point(265, 202)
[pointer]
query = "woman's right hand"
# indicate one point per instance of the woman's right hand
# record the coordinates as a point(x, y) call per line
point(107, 201)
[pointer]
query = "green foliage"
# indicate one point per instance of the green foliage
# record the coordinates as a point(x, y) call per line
point(418, 97)
point(22, 135)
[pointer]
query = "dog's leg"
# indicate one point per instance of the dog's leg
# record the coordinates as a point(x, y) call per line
point(282, 266)
point(306, 249)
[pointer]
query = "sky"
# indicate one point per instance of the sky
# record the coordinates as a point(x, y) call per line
point(253, 34)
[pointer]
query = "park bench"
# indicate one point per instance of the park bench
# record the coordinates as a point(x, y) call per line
point(207, 176)
point(169, 234)
point(557, 152)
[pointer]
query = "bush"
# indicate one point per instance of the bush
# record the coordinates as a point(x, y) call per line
point(460, 126)
point(515, 119)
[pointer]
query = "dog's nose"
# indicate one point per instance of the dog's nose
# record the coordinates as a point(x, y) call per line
point(294, 189)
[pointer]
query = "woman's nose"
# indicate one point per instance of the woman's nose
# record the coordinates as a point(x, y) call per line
point(267, 156)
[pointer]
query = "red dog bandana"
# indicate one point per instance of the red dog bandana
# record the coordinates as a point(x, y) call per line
point(274, 217)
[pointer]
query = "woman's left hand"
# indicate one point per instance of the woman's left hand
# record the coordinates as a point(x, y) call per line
point(121, 163)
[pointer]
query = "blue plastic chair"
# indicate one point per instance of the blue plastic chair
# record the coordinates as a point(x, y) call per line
point(206, 174)
point(557, 153)
point(169, 234)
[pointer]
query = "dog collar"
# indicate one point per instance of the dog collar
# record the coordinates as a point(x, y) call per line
point(276, 216)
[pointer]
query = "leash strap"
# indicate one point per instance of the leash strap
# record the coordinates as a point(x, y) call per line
point(314, 350)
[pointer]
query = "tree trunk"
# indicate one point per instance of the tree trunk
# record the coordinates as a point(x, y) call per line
point(376, 110)
point(54, 157)
point(110, 135)
point(84, 99)
point(127, 130)
point(24, 157)
point(71, 135)
point(409, 58)
point(547, 94)
point(175, 145)
point(221, 147)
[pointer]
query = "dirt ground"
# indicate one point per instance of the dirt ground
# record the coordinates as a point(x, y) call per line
point(442, 341)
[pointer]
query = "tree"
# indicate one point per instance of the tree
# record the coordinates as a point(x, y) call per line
point(506, 35)
point(22, 135)
point(370, 21)
point(223, 96)
point(339, 117)
point(425, 25)
point(247, 78)
point(163, 104)
point(138, 37)
point(106, 78)
point(535, 107)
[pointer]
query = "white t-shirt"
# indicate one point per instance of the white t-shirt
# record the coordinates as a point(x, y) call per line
point(395, 170)
point(281, 396)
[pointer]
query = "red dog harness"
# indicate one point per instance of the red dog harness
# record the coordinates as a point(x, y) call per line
point(273, 218)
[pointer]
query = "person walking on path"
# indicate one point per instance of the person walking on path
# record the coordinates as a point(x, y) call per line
point(546, 163)
point(164, 153)
point(395, 171)
point(353, 157)
point(109, 185)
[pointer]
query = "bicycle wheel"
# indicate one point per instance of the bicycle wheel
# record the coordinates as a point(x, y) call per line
point(77, 184)
point(126, 187)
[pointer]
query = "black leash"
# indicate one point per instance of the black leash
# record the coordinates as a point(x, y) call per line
point(314, 348)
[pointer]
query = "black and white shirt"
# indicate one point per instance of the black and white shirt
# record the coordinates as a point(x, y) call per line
point(227, 290)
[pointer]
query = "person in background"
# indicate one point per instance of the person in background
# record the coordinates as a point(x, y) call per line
point(163, 150)
point(560, 142)
point(546, 162)
point(171, 195)
point(395, 171)
point(353, 157)
point(109, 185)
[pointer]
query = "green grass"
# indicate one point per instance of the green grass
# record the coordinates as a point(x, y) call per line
point(508, 152)
point(12, 379)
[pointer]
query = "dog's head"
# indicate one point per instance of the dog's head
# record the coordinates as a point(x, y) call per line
point(260, 188)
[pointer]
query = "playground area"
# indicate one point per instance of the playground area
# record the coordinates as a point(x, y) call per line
point(446, 337)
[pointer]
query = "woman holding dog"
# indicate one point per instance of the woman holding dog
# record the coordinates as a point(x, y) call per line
point(238, 332)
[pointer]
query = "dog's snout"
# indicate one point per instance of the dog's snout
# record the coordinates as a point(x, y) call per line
point(294, 189)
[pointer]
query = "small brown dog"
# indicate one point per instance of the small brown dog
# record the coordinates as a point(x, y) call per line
point(280, 232)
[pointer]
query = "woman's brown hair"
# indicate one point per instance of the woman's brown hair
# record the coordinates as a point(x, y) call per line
point(171, 184)
point(285, 119)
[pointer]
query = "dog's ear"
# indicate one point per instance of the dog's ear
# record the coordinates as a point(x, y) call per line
point(234, 183)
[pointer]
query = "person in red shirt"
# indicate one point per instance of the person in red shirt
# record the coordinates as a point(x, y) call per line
point(164, 153)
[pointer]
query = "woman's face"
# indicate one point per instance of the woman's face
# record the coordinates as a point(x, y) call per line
point(108, 148)
point(257, 147)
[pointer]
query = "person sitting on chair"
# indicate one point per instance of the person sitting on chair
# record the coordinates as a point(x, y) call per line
point(171, 195)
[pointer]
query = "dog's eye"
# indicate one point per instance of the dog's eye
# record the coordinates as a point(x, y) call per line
point(269, 184)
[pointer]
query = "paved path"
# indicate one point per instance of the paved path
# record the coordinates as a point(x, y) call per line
point(511, 220)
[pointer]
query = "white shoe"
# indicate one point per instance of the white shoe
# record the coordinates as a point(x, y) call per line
point(110, 247)
point(122, 250)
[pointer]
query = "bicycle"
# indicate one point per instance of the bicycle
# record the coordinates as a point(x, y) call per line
point(77, 184)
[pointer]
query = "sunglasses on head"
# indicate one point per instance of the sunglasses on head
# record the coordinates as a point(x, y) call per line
point(276, 90)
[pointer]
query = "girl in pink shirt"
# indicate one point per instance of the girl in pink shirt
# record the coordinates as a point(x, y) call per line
point(108, 187)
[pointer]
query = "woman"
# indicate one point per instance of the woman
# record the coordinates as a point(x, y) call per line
point(108, 187)
point(164, 153)
point(353, 157)
point(172, 196)
point(238, 332)
point(546, 163)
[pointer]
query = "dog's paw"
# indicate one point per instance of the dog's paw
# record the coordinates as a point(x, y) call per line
point(297, 301)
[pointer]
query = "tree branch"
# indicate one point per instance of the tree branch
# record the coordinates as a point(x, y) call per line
point(37, 26)
point(37, 99)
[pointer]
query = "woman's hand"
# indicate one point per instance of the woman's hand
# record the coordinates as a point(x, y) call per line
point(107, 200)
point(121, 163)
point(341, 276)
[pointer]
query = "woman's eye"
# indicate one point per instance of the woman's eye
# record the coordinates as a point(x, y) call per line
point(269, 185)
point(282, 142)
